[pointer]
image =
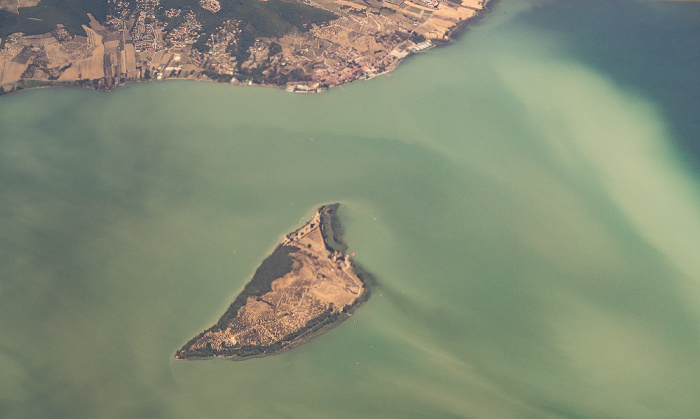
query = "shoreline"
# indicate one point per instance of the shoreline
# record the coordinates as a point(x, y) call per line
point(327, 224)
point(461, 28)
point(454, 33)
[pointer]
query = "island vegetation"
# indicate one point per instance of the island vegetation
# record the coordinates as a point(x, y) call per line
point(305, 287)
point(299, 45)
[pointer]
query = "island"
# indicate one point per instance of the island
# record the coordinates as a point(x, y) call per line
point(305, 287)
point(299, 45)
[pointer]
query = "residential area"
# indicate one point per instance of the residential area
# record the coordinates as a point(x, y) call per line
point(143, 40)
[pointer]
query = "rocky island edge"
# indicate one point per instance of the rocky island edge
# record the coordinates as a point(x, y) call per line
point(307, 286)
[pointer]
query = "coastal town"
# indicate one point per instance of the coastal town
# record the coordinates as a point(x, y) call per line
point(140, 40)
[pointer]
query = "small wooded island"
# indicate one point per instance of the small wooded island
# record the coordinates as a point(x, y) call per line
point(305, 287)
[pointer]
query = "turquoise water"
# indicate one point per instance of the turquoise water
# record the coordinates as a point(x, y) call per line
point(532, 218)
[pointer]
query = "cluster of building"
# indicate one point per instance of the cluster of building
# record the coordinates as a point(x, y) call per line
point(211, 5)
point(220, 44)
point(119, 11)
point(141, 40)
point(185, 34)
point(431, 3)
point(12, 45)
point(172, 13)
point(144, 34)
point(344, 64)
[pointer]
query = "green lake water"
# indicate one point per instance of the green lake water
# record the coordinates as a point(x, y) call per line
point(532, 218)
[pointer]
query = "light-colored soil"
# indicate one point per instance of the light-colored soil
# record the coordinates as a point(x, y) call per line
point(11, 72)
point(91, 67)
point(320, 282)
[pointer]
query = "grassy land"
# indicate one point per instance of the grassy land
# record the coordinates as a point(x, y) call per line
point(332, 229)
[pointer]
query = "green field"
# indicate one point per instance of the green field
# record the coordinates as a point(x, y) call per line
point(413, 10)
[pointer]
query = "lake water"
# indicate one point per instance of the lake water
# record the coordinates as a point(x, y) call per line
point(528, 199)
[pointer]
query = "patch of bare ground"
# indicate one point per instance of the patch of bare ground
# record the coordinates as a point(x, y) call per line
point(92, 66)
point(315, 287)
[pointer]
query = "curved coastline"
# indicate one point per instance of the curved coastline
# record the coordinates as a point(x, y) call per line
point(215, 342)
point(307, 82)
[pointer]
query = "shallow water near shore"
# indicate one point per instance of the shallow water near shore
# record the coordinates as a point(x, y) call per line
point(529, 204)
